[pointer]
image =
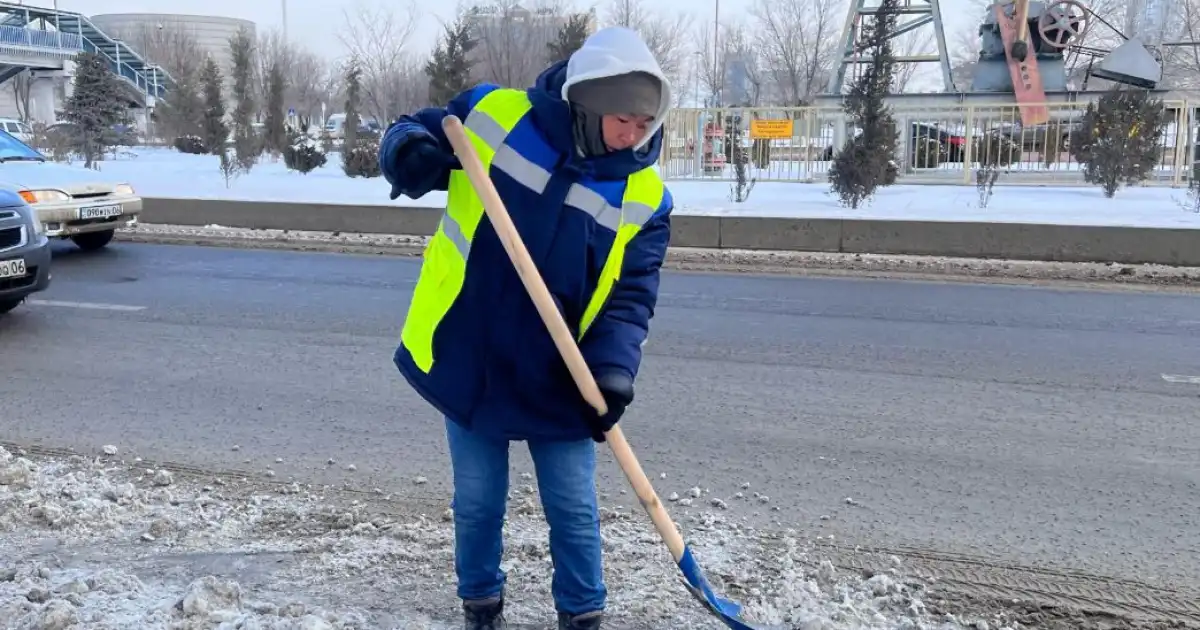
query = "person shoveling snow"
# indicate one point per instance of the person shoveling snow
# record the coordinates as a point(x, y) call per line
point(572, 158)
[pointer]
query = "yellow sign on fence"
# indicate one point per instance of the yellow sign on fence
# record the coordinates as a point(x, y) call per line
point(771, 129)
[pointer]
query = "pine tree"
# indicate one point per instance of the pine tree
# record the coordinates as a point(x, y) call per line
point(449, 68)
point(570, 37)
point(276, 139)
point(182, 113)
point(303, 153)
point(97, 104)
point(1119, 138)
point(868, 160)
point(353, 78)
point(214, 131)
point(246, 146)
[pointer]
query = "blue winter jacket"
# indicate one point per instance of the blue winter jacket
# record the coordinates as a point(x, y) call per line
point(497, 370)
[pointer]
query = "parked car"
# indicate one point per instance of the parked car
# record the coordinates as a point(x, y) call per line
point(71, 202)
point(24, 252)
point(949, 146)
point(335, 125)
point(17, 128)
point(66, 135)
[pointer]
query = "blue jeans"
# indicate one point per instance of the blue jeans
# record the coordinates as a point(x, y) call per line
point(566, 482)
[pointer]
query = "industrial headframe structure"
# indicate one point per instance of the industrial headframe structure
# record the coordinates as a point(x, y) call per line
point(1023, 46)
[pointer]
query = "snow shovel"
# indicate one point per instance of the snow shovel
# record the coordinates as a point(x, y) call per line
point(727, 611)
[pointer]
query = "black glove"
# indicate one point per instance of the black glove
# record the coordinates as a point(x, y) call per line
point(428, 162)
point(617, 389)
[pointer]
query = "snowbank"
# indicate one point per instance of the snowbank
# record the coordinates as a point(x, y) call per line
point(100, 543)
point(160, 172)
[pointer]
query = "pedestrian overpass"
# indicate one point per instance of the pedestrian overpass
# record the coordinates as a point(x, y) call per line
point(42, 39)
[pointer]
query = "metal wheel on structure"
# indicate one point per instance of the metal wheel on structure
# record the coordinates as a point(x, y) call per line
point(1064, 22)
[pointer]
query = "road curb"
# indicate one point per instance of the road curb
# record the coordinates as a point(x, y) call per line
point(976, 238)
point(720, 260)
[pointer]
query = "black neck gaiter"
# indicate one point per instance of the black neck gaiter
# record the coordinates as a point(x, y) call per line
point(589, 133)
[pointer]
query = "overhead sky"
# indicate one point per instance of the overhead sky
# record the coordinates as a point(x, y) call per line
point(310, 21)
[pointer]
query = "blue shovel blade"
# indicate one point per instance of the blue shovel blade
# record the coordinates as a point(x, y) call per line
point(728, 611)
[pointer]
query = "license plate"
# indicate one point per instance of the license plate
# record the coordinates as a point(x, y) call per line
point(99, 212)
point(12, 268)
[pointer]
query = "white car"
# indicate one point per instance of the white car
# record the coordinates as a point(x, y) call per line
point(71, 202)
point(17, 128)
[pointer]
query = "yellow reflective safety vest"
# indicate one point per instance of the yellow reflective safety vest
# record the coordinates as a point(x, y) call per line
point(447, 255)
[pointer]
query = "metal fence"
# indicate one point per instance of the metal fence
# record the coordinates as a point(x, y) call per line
point(943, 145)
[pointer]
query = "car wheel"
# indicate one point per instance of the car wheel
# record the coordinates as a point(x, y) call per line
point(7, 305)
point(93, 240)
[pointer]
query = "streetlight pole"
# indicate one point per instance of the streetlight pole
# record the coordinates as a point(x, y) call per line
point(285, 24)
point(718, 76)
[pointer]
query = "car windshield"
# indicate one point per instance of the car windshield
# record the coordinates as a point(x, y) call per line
point(13, 150)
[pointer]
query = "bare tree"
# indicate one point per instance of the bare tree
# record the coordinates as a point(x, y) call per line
point(799, 44)
point(305, 73)
point(20, 89)
point(913, 43)
point(665, 35)
point(413, 89)
point(1181, 64)
point(332, 89)
point(271, 50)
point(306, 82)
point(736, 78)
point(746, 61)
point(687, 93)
point(172, 46)
point(963, 48)
point(709, 65)
point(1098, 36)
point(512, 36)
point(380, 38)
point(743, 70)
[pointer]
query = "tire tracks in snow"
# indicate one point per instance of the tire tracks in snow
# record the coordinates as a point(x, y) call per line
point(978, 578)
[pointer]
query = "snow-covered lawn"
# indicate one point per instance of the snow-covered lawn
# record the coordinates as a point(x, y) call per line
point(107, 543)
point(159, 172)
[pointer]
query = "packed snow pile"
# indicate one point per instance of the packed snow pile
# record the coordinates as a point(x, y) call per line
point(95, 542)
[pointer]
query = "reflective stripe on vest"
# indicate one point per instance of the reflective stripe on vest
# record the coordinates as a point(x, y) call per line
point(443, 270)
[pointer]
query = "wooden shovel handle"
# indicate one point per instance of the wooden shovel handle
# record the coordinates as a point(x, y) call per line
point(563, 340)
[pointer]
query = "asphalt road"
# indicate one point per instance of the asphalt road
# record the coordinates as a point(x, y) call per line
point(1032, 425)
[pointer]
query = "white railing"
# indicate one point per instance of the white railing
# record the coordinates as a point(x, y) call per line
point(796, 144)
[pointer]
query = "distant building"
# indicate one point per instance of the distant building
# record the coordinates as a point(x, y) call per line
point(144, 33)
point(738, 89)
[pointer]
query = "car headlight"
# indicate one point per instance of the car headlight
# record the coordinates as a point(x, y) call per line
point(43, 196)
point(123, 189)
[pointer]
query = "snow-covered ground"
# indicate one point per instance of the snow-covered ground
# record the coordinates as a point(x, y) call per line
point(162, 172)
point(101, 543)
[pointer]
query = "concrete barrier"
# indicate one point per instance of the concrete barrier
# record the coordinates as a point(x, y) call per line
point(1018, 241)
point(280, 215)
point(1024, 241)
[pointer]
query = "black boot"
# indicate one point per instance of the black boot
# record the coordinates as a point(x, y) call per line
point(586, 621)
point(484, 614)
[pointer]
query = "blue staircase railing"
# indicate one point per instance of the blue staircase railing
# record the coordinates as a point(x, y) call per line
point(143, 81)
point(76, 33)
